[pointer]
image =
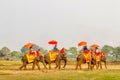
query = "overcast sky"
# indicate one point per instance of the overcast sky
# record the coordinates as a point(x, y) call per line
point(67, 21)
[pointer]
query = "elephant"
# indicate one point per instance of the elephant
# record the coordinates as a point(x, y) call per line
point(36, 61)
point(98, 63)
point(81, 60)
point(103, 59)
point(57, 61)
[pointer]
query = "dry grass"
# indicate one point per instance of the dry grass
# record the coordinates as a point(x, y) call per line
point(9, 70)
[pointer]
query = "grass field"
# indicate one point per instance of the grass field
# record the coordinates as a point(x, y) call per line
point(9, 70)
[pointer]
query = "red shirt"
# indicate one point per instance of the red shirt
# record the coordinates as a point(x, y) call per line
point(38, 53)
point(62, 51)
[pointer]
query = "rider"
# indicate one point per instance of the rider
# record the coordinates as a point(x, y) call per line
point(38, 53)
point(55, 48)
point(85, 49)
point(62, 51)
point(31, 51)
point(86, 53)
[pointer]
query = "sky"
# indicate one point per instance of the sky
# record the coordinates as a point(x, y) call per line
point(67, 21)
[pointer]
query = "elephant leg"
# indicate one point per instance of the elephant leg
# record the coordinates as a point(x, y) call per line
point(57, 63)
point(100, 65)
point(34, 63)
point(60, 64)
point(49, 65)
point(65, 63)
point(105, 64)
point(21, 66)
point(77, 65)
point(37, 63)
point(89, 65)
point(97, 64)
point(80, 66)
point(94, 63)
point(93, 66)
point(44, 64)
point(25, 64)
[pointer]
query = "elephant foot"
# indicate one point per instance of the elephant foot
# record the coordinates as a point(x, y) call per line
point(25, 68)
point(55, 67)
point(20, 68)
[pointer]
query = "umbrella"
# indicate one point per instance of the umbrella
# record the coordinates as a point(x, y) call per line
point(95, 45)
point(28, 45)
point(82, 43)
point(52, 42)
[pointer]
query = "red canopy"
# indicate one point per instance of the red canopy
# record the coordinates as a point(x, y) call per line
point(28, 45)
point(52, 42)
point(82, 43)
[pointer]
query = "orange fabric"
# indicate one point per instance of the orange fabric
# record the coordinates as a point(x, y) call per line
point(82, 43)
point(102, 54)
point(28, 45)
point(98, 56)
point(95, 45)
point(87, 56)
point(92, 52)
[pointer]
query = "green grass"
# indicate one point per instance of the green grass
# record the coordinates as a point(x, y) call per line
point(9, 71)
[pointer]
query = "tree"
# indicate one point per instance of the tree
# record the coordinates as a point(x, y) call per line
point(5, 51)
point(108, 50)
point(16, 54)
point(116, 53)
point(44, 51)
point(73, 50)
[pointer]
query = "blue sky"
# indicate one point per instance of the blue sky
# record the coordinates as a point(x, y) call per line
point(68, 21)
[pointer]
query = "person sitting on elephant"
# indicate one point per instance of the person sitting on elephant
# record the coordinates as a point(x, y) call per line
point(97, 54)
point(93, 52)
point(38, 53)
point(86, 53)
point(55, 48)
point(102, 54)
point(62, 51)
point(31, 51)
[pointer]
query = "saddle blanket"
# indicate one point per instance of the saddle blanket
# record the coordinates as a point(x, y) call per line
point(87, 57)
point(30, 57)
point(52, 55)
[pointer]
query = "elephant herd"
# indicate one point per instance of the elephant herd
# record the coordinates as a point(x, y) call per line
point(80, 59)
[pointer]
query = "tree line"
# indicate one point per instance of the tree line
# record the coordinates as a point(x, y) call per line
point(112, 53)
